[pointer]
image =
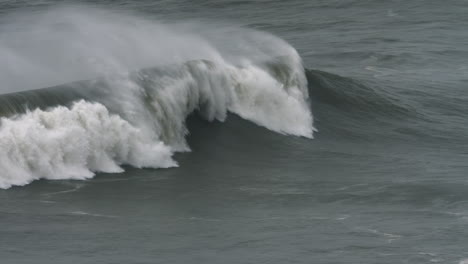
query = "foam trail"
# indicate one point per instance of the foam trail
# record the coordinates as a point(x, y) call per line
point(130, 116)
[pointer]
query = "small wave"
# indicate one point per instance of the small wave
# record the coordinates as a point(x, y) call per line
point(77, 188)
point(82, 213)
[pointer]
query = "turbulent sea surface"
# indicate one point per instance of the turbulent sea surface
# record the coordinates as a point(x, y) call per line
point(233, 131)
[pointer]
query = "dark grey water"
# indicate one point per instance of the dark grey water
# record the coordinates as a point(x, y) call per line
point(383, 181)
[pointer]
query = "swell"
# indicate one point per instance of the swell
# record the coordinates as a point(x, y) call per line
point(350, 109)
point(353, 96)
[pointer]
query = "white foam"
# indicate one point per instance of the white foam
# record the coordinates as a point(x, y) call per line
point(73, 144)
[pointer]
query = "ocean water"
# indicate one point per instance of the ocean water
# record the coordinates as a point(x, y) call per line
point(233, 131)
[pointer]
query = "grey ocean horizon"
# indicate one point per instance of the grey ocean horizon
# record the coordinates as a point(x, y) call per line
point(383, 179)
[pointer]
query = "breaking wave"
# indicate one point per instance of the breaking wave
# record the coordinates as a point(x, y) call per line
point(143, 79)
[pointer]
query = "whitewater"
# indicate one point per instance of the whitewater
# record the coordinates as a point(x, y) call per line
point(141, 80)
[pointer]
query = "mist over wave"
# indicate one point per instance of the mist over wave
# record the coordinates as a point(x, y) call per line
point(144, 79)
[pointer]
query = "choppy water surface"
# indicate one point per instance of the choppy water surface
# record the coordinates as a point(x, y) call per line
point(233, 132)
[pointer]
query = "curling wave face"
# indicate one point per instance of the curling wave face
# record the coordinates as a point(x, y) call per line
point(129, 116)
